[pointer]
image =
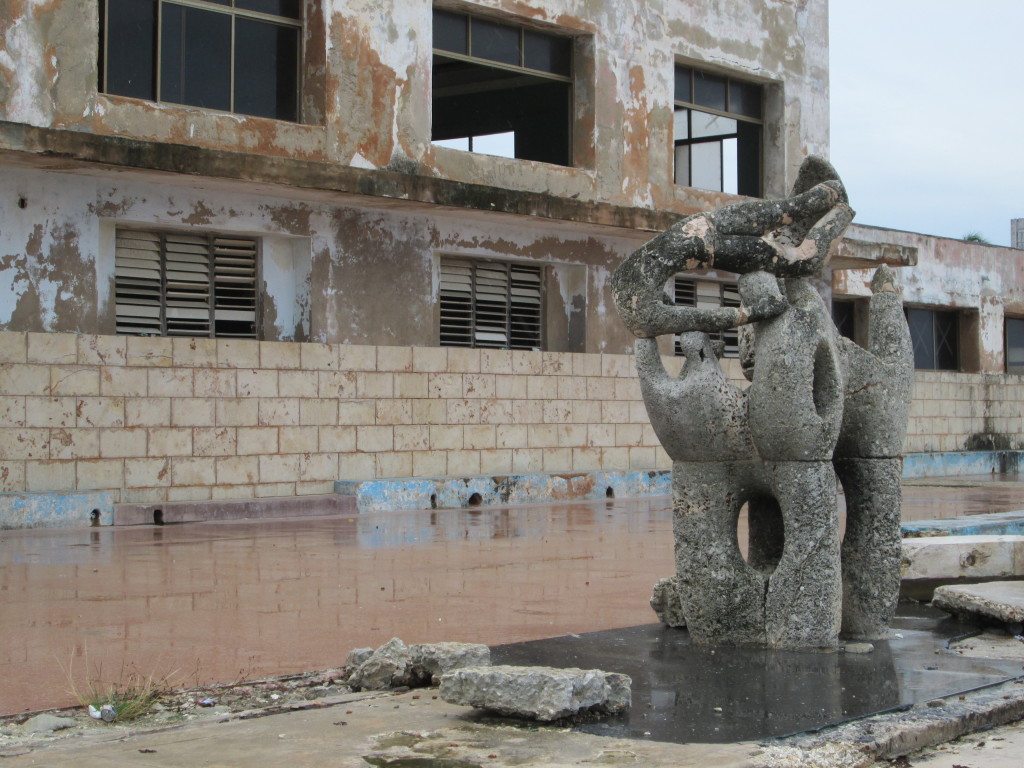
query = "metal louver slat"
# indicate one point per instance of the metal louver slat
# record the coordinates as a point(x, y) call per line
point(456, 303)
point(137, 282)
point(235, 287)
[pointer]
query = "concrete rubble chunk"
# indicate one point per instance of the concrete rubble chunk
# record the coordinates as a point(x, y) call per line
point(999, 600)
point(357, 656)
point(387, 667)
point(432, 660)
point(537, 693)
point(47, 723)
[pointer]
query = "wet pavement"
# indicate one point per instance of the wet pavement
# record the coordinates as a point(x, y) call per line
point(219, 602)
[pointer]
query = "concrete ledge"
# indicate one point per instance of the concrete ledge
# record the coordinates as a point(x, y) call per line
point(997, 600)
point(244, 509)
point(56, 509)
point(956, 463)
point(481, 490)
point(995, 524)
point(936, 560)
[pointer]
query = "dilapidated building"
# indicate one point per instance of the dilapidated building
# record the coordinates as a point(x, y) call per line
point(252, 248)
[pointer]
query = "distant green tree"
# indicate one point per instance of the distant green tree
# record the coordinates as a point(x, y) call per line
point(975, 237)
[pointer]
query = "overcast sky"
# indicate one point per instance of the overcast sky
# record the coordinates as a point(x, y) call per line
point(928, 113)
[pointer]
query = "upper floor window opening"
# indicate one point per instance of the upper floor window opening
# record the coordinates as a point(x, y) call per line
point(240, 56)
point(707, 294)
point(1014, 332)
point(501, 89)
point(935, 334)
point(718, 127)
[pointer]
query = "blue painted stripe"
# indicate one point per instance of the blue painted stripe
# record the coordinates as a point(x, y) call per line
point(56, 509)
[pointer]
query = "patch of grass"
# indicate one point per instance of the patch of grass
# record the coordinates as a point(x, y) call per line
point(131, 693)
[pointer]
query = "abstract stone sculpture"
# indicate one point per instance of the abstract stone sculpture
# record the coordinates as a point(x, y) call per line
point(818, 405)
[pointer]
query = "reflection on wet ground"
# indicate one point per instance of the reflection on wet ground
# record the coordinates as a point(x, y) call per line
point(686, 693)
point(225, 601)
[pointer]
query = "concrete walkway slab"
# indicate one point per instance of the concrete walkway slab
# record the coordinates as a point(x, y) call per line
point(999, 600)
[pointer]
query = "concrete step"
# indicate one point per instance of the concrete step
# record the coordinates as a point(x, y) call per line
point(932, 561)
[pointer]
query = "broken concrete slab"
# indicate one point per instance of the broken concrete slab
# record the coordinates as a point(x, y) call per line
point(935, 560)
point(537, 693)
point(999, 600)
point(432, 660)
point(395, 664)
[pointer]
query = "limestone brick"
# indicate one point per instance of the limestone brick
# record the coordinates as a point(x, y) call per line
point(237, 470)
point(412, 437)
point(557, 460)
point(257, 383)
point(52, 348)
point(394, 359)
point(318, 412)
point(238, 353)
point(527, 460)
point(572, 435)
point(496, 461)
point(429, 463)
point(102, 350)
point(169, 441)
point(463, 411)
point(586, 412)
point(298, 439)
point(149, 351)
point(356, 412)
point(257, 440)
point(12, 476)
point(601, 435)
point(410, 385)
point(337, 439)
point(649, 437)
point(496, 360)
point(429, 359)
point(122, 443)
point(375, 385)
point(642, 458)
point(12, 411)
point(299, 383)
point(99, 474)
point(50, 475)
point(279, 354)
point(444, 385)
point(335, 384)
point(318, 467)
point(495, 411)
point(193, 412)
point(170, 382)
point(194, 353)
point(373, 439)
point(272, 490)
point(527, 362)
point(599, 388)
point(279, 411)
point(571, 387)
point(119, 381)
point(214, 382)
point(357, 466)
point(189, 493)
point(13, 347)
point(557, 411)
point(314, 488)
point(232, 492)
point(394, 464)
point(463, 463)
point(316, 356)
point(236, 412)
point(145, 495)
point(586, 459)
point(618, 365)
point(283, 468)
point(511, 436)
point(357, 357)
point(527, 411)
point(394, 411)
point(74, 444)
point(661, 459)
point(214, 441)
point(100, 411)
point(638, 412)
point(429, 411)
point(147, 473)
point(74, 380)
point(615, 458)
point(464, 360)
point(586, 364)
point(556, 363)
point(542, 387)
point(542, 435)
point(50, 412)
point(628, 435)
point(511, 387)
point(478, 436)
point(445, 437)
point(614, 412)
point(478, 385)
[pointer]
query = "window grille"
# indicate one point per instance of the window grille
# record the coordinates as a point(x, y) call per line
point(182, 284)
point(709, 295)
point(1014, 331)
point(490, 304)
point(935, 335)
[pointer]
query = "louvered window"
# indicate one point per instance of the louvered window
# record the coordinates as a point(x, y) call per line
point(709, 295)
point(182, 284)
point(490, 304)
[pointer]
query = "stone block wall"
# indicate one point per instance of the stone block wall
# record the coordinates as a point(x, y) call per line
point(161, 419)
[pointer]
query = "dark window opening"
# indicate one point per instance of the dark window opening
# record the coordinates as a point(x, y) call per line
point(936, 338)
point(490, 304)
point(501, 89)
point(182, 284)
point(1014, 345)
point(717, 132)
point(844, 316)
point(707, 294)
point(239, 56)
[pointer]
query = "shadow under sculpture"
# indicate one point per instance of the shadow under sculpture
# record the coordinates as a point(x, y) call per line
point(817, 406)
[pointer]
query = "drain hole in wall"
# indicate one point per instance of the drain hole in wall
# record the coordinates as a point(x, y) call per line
point(94, 517)
point(609, 492)
point(475, 500)
point(158, 517)
point(433, 501)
